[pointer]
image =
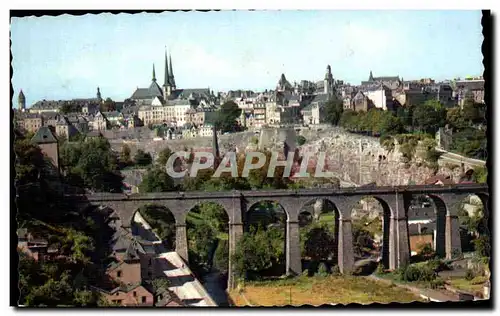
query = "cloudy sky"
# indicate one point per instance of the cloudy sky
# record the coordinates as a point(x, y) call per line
point(68, 57)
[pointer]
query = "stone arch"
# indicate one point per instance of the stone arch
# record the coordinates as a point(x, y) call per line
point(386, 243)
point(156, 222)
point(255, 217)
point(214, 234)
point(317, 207)
point(267, 202)
point(470, 207)
point(440, 212)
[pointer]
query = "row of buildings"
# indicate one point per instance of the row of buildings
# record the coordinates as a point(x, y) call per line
point(194, 110)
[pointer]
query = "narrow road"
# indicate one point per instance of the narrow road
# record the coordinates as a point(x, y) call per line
point(212, 285)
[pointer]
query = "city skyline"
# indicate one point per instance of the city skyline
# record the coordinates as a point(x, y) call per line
point(62, 58)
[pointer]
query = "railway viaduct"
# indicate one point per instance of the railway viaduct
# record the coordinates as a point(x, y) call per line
point(395, 202)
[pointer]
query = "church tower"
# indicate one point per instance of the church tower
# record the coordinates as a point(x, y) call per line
point(21, 101)
point(371, 77)
point(328, 83)
point(169, 81)
point(99, 98)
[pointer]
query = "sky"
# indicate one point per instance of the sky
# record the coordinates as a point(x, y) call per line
point(65, 57)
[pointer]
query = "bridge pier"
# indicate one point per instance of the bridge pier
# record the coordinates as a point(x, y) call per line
point(181, 245)
point(453, 243)
point(345, 249)
point(293, 255)
point(453, 246)
point(401, 241)
point(235, 233)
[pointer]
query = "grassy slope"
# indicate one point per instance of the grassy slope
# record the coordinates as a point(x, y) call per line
point(321, 290)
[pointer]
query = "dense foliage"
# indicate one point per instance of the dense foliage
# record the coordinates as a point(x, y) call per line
point(162, 221)
point(142, 158)
point(258, 250)
point(64, 279)
point(91, 164)
point(375, 121)
point(226, 118)
point(334, 109)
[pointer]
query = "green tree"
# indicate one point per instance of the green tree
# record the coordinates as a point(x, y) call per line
point(470, 142)
point(125, 154)
point(142, 158)
point(301, 140)
point(29, 161)
point(199, 182)
point(455, 118)
point(222, 256)
point(349, 120)
point(163, 156)
point(91, 164)
point(472, 112)
point(160, 284)
point(227, 115)
point(390, 124)
point(162, 221)
point(405, 114)
point(480, 175)
point(108, 105)
point(334, 109)
point(429, 116)
point(156, 180)
point(254, 252)
point(201, 238)
point(319, 243)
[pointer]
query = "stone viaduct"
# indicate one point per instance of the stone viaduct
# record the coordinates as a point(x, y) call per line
point(395, 202)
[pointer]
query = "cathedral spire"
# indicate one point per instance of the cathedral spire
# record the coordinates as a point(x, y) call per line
point(171, 73)
point(167, 74)
point(154, 74)
point(371, 76)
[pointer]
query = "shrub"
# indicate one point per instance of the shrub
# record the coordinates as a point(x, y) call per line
point(437, 283)
point(380, 269)
point(437, 265)
point(254, 140)
point(426, 251)
point(322, 269)
point(336, 270)
point(301, 140)
point(482, 246)
point(469, 275)
point(414, 273)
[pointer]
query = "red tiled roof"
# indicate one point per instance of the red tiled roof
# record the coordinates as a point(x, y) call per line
point(439, 178)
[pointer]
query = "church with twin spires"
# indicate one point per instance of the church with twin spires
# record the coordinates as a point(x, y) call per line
point(168, 91)
point(168, 104)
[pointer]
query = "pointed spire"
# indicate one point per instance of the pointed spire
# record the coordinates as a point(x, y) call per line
point(98, 94)
point(371, 76)
point(167, 73)
point(154, 74)
point(171, 74)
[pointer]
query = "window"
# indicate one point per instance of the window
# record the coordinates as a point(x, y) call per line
point(135, 293)
point(144, 299)
point(119, 274)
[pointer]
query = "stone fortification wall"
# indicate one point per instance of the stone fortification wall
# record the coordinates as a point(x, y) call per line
point(237, 141)
point(353, 158)
point(362, 160)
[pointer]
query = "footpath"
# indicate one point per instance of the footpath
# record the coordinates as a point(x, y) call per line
point(427, 294)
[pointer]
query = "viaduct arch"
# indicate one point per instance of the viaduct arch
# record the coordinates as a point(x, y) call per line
point(395, 201)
